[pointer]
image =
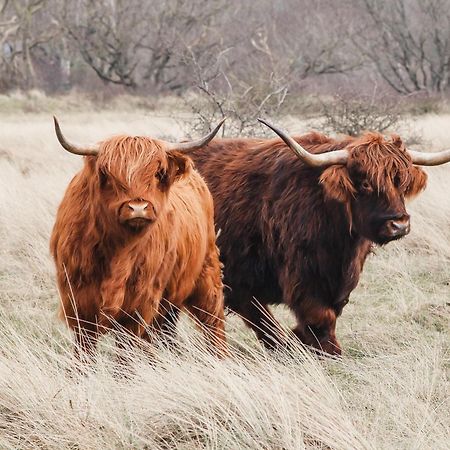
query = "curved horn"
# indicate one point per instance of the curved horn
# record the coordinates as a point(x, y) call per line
point(429, 159)
point(186, 147)
point(311, 159)
point(83, 151)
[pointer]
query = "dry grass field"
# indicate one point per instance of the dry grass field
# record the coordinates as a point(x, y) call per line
point(390, 390)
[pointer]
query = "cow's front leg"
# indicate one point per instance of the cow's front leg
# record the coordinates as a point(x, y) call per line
point(136, 332)
point(206, 304)
point(260, 319)
point(164, 327)
point(316, 327)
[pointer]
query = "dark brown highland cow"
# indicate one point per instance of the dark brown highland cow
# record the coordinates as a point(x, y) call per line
point(296, 226)
point(136, 225)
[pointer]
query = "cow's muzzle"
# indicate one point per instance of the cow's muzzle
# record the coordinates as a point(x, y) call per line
point(395, 227)
point(137, 213)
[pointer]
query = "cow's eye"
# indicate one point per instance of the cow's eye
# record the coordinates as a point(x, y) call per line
point(365, 186)
point(161, 175)
point(105, 179)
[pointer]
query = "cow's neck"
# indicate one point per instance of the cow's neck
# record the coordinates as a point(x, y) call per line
point(347, 251)
point(113, 242)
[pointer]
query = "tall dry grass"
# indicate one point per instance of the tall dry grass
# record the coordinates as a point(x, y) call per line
point(389, 391)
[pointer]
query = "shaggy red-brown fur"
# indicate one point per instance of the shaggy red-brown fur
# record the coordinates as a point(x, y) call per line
point(113, 270)
point(298, 234)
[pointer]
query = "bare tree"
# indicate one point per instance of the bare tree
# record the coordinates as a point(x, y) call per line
point(245, 56)
point(107, 35)
point(21, 34)
point(222, 93)
point(309, 38)
point(274, 51)
point(353, 114)
point(135, 43)
point(182, 32)
point(408, 41)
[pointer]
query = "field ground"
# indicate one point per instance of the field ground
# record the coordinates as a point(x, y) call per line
point(391, 389)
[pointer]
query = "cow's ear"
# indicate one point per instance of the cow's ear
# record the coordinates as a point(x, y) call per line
point(397, 141)
point(179, 165)
point(418, 182)
point(337, 184)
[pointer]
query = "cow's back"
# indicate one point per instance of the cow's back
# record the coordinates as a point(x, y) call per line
point(239, 179)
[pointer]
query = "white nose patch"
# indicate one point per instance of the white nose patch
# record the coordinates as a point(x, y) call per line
point(400, 227)
point(138, 209)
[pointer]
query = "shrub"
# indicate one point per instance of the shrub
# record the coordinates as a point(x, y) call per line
point(352, 115)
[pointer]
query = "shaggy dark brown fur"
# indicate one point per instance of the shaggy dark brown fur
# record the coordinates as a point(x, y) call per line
point(300, 235)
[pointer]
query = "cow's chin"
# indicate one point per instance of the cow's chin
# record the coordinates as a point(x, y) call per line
point(384, 236)
point(381, 235)
point(137, 224)
point(383, 239)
